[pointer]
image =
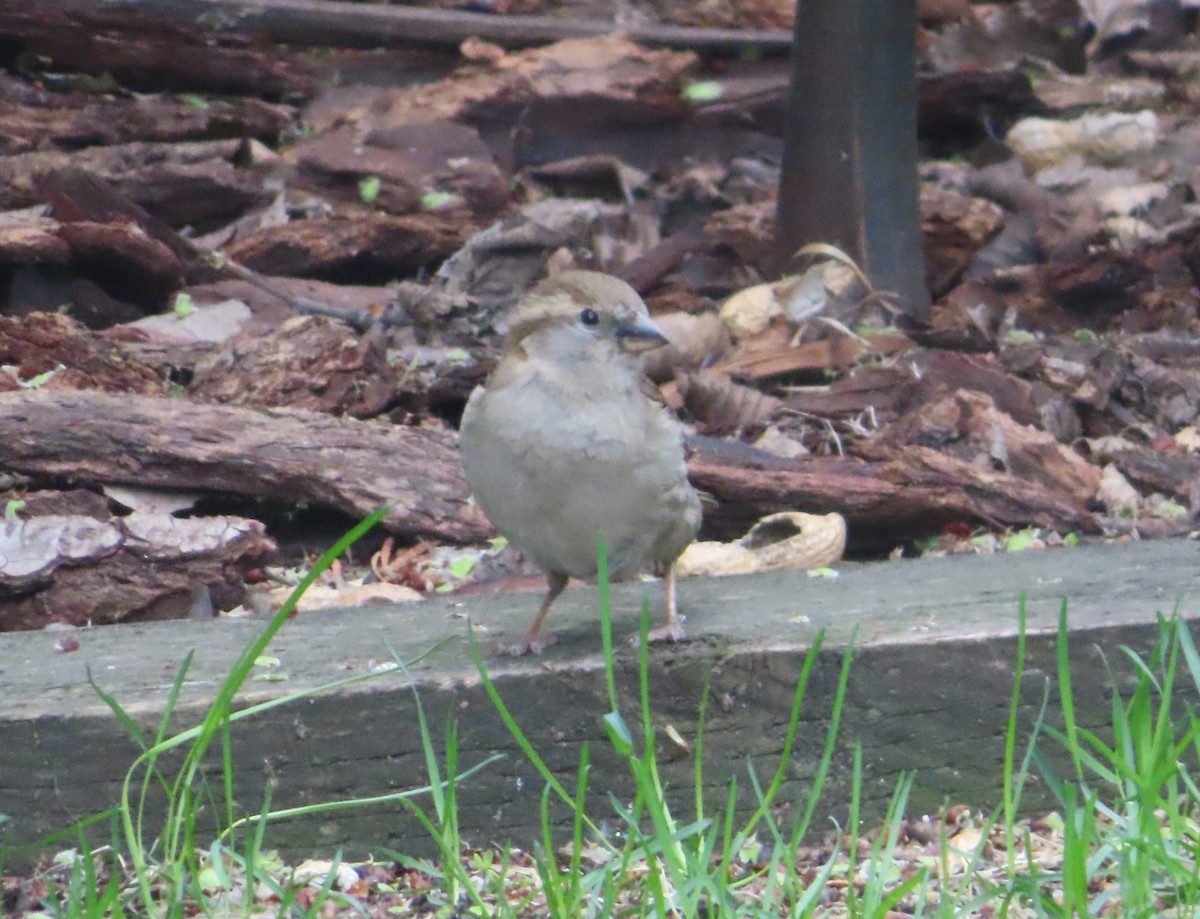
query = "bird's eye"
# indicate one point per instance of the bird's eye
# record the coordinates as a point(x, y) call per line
point(589, 317)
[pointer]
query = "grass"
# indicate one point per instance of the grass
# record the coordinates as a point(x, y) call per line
point(1122, 841)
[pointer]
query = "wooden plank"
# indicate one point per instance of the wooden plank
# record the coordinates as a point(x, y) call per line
point(928, 693)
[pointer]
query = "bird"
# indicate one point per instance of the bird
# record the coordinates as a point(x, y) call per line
point(566, 443)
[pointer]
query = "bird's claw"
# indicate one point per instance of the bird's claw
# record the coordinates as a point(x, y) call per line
point(525, 646)
point(671, 632)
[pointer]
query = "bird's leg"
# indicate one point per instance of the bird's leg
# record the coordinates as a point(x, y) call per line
point(533, 643)
point(672, 630)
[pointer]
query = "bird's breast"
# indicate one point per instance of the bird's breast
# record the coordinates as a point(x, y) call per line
point(556, 467)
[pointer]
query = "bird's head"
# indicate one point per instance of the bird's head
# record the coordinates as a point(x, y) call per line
point(578, 313)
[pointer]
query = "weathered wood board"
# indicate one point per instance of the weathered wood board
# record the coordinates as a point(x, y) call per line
point(928, 692)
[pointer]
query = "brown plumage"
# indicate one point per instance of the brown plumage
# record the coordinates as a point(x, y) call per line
point(562, 446)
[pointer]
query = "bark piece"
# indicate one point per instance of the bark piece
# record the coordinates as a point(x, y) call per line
point(722, 406)
point(1096, 288)
point(79, 570)
point(945, 372)
point(28, 239)
point(1125, 385)
point(773, 356)
point(309, 362)
point(168, 178)
point(287, 455)
point(409, 162)
point(591, 71)
point(75, 358)
point(649, 268)
point(41, 120)
point(372, 246)
point(954, 226)
point(969, 426)
point(747, 229)
point(888, 495)
point(80, 196)
point(880, 389)
point(963, 107)
point(32, 549)
point(128, 264)
point(924, 377)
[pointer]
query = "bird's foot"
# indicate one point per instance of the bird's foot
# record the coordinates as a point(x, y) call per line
point(525, 646)
point(672, 632)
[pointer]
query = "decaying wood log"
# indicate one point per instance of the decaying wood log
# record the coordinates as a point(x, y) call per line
point(326, 22)
point(890, 497)
point(288, 455)
point(968, 425)
point(972, 104)
point(889, 494)
point(1096, 289)
point(145, 49)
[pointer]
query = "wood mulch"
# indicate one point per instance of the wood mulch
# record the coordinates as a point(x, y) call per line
point(250, 284)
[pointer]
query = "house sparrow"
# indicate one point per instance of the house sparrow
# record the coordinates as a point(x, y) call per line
point(563, 446)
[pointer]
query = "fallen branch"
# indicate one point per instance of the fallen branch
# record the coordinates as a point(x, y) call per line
point(330, 23)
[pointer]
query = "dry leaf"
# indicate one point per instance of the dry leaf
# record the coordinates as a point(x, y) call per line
point(1188, 439)
point(1115, 492)
point(749, 312)
point(693, 342)
point(723, 406)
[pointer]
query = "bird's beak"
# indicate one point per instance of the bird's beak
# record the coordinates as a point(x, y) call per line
point(641, 335)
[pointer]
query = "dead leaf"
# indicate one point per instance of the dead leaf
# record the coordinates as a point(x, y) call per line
point(1115, 492)
point(723, 406)
point(694, 342)
point(749, 312)
point(1115, 17)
